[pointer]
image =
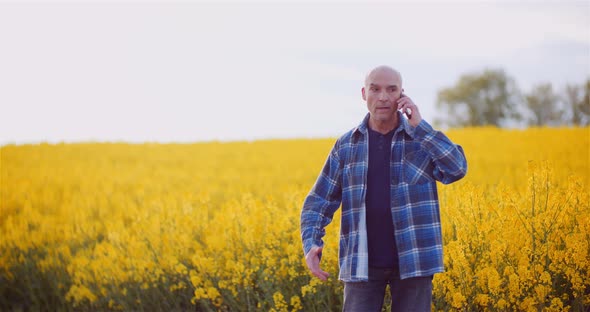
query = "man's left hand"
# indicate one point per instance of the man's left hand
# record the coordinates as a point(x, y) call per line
point(404, 103)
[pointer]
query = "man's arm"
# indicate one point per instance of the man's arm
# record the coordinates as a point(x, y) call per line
point(318, 209)
point(449, 158)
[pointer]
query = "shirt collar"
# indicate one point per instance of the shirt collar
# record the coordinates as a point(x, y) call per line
point(403, 126)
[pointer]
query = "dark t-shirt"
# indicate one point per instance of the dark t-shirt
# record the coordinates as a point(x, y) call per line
point(380, 232)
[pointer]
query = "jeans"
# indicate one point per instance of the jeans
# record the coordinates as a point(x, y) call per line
point(412, 294)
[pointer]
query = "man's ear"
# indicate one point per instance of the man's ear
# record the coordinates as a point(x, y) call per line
point(363, 92)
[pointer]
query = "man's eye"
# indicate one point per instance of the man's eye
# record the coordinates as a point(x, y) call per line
point(373, 89)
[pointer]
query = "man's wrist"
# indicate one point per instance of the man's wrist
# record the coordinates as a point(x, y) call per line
point(307, 247)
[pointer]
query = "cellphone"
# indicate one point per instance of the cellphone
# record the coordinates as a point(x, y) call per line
point(407, 111)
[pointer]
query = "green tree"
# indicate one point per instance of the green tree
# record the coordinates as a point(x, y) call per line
point(577, 100)
point(489, 97)
point(543, 104)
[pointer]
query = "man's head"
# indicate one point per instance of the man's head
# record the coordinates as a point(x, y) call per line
point(383, 87)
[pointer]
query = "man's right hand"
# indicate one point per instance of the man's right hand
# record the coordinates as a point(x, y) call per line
point(313, 263)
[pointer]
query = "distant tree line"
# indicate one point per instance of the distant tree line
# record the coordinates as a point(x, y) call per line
point(491, 98)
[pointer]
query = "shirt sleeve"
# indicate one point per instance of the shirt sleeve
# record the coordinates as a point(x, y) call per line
point(322, 202)
point(449, 159)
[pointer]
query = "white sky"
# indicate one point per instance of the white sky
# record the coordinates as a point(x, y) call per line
point(155, 71)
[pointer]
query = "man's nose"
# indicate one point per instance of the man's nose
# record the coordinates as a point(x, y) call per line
point(383, 96)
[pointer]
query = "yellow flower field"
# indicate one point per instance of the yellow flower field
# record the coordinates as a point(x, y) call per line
point(215, 226)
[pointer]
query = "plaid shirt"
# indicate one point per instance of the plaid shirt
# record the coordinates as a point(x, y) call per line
point(419, 157)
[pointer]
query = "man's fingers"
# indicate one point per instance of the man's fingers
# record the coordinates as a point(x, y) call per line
point(406, 108)
point(404, 105)
point(321, 274)
point(403, 100)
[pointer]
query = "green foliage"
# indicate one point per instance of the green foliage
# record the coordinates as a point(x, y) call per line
point(577, 99)
point(543, 103)
point(480, 99)
point(492, 98)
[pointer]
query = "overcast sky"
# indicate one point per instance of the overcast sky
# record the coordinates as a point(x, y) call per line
point(155, 71)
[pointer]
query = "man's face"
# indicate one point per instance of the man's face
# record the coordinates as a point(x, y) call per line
point(382, 90)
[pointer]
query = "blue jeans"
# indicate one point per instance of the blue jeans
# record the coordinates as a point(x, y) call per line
point(412, 294)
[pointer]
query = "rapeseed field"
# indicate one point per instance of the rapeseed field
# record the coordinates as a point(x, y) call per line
point(215, 226)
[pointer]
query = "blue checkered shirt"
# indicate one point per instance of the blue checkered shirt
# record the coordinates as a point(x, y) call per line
point(419, 157)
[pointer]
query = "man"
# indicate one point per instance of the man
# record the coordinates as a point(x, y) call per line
point(384, 173)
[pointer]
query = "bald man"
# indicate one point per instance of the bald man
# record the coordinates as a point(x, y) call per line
point(384, 173)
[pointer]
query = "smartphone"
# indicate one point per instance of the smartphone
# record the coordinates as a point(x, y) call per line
point(407, 111)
